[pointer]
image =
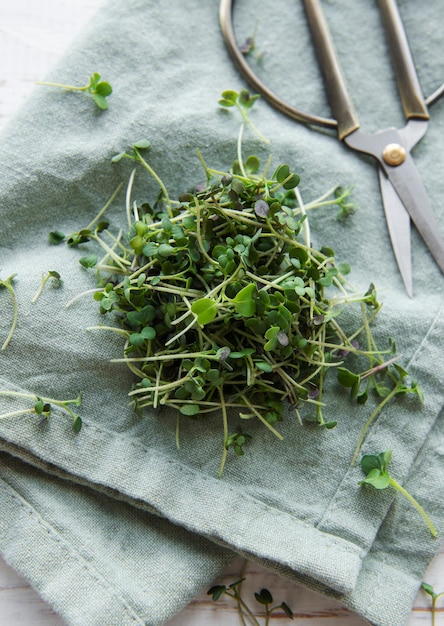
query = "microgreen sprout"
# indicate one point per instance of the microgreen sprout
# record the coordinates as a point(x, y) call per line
point(42, 407)
point(56, 237)
point(340, 196)
point(99, 89)
point(386, 378)
point(243, 101)
point(249, 46)
point(377, 475)
point(263, 597)
point(45, 278)
point(7, 284)
point(435, 597)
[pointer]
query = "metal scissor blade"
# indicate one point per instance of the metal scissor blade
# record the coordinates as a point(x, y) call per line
point(398, 222)
point(408, 185)
point(406, 181)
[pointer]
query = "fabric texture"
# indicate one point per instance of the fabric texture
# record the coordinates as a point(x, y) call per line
point(92, 501)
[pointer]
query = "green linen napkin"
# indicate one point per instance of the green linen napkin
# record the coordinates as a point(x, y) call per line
point(295, 505)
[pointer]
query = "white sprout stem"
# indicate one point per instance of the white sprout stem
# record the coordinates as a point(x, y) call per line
point(115, 257)
point(318, 202)
point(128, 198)
point(40, 290)
point(10, 289)
point(182, 332)
point(239, 150)
point(102, 211)
point(167, 357)
point(16, 413)
point(165, 387)
point(84, 293)
point(114, 329)
point(307, 237)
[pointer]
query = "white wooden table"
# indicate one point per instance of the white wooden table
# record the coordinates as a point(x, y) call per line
point(33, 35)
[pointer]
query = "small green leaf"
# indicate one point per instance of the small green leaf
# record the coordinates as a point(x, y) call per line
point(55, 237)
point(88, 261)
point(344, 268)
point(384, 459)
point(38, 406)
point(148, 332)
point(370, 462)
point(230, 94)
point(264, 597)
point(142, 144)
point(292, 182)
point(378, 479)
point(244, 302)
point(288, 612)
point(429, 589)
point(77, 424)
point(149, 249)
point(240, 354)
point(103, 88)
point(216, 592)
point(347, 378)
point(236, 583)
point(252, 164)
point(136, 339)
point(281, 173)
point(190, 409)
point(329, 425)
point(165, 250)
point(100, 101)
point(118, 157)
point(263, 366)
point(205, 309)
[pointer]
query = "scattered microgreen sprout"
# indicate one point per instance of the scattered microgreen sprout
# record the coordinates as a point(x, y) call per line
point(42, 407)
point(45, 278)
point(243, 101)
point(264, 598)
point(435, 597)
point(377, 475)
point(249, 46)
point(55, 237)
point(388, 379)
point(347, 206)
point(99, 89)
point(224, 305)
point(7, 284)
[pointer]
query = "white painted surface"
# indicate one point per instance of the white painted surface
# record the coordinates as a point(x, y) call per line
point(33, 35)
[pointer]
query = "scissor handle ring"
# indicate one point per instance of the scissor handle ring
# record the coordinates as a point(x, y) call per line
point(226, 23)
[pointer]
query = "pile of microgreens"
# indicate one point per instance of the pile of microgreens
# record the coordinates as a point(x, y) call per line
point(226, 307)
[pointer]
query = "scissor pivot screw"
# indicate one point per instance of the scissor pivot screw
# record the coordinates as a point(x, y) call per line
point(394, 154)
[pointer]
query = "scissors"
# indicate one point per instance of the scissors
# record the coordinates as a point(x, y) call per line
point(403, 194)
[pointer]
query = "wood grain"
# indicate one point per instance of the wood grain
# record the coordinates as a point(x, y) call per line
point(33, 35)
